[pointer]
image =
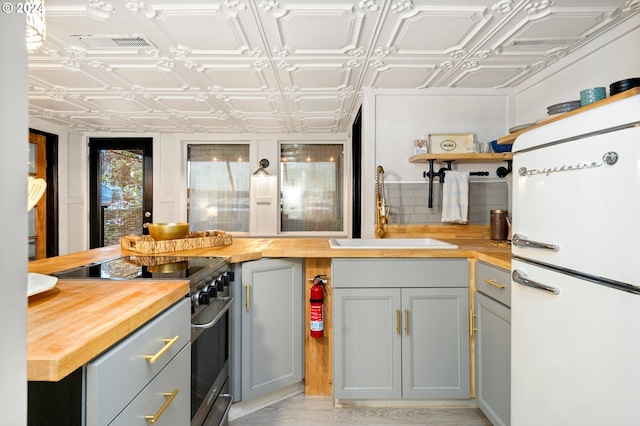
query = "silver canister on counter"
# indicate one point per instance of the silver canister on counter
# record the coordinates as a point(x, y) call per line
point(499, 226)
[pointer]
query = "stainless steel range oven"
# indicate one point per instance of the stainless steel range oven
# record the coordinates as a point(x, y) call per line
point(209, 282)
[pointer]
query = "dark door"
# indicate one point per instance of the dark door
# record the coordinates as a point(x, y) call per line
point(121, 188)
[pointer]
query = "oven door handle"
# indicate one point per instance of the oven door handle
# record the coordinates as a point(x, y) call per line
point(229, 403)
point(220, 314)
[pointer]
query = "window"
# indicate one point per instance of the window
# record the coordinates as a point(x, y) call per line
point(311, 179)
point(218, 187)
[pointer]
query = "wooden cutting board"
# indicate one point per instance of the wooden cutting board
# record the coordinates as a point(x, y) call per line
point(77, 320)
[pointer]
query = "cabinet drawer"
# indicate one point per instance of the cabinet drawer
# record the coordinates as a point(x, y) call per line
point(399, 272)
point(175, 376)
point(494, 282)
point(117, 376)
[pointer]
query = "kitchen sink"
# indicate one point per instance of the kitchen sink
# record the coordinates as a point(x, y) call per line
point(389, 243)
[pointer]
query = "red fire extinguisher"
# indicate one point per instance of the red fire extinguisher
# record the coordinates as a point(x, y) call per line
point(317, 307)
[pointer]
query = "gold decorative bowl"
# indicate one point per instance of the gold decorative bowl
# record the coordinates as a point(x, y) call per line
point(168, 231)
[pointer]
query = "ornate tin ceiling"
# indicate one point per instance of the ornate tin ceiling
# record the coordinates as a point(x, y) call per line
point(283, 66)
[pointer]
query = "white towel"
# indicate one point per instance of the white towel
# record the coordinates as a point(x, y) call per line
point(455, 197)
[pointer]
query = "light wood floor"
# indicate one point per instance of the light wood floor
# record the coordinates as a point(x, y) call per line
point(308, 411)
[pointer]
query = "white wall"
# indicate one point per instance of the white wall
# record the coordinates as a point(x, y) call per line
point(13, 193)
point(393, 119)
point(169, 178)
point(617, 58)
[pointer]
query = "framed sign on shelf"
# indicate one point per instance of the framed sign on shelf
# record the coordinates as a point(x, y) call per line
point(449, 143)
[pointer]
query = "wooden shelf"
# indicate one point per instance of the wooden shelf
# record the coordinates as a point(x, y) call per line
point(462, 158)
point(510, 138)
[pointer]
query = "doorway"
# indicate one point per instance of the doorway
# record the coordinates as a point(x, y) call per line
point(43, 218)
point(38, 215)
point(121, 188)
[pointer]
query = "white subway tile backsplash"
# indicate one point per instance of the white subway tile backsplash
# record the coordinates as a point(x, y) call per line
point(409, 202)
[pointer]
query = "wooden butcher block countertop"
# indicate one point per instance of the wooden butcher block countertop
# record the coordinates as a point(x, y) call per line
point(244, 249)
point(79, 319)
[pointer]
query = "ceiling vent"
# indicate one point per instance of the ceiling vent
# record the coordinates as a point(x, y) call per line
point(115, 41)
point(545, 42)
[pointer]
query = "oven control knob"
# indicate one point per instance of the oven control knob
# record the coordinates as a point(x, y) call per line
point(212, 291)
point(219, 284)
point(203, 298)
point(225, 279)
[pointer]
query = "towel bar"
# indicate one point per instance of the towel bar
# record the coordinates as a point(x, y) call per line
point(431, 174)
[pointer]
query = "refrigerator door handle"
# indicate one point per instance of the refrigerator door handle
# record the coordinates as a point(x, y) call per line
point(521, 278)
point(520, 240)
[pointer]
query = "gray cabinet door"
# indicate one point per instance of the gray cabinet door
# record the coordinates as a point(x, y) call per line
point(401, 343)
point(170, 389)
point(435, 344)
point(493, 359)
point(272, 325)
point(367, 343)
point(117, 376)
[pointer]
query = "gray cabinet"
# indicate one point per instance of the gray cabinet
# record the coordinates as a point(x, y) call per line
point(493, 342)
point(158, 353)
point(400, 328)
point(166, 400)
point(272, 325)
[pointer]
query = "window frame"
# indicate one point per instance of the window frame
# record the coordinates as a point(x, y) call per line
point(184, 189)
point(346, 188)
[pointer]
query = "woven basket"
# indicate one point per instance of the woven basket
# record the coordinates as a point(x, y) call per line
point(194, 240)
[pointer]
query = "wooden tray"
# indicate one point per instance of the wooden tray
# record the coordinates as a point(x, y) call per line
point(194, 240)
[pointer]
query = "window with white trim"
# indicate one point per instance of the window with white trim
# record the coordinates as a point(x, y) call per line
point(311, 187)
point(218, 178)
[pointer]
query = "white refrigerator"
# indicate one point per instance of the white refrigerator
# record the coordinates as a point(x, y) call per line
point(575, 307)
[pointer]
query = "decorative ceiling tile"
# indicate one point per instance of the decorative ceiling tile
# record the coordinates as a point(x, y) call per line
point(68, 79)
point(235, 77)
point(60, 106)
point(284, 66)
point(493, 76)
point(117, 104)
point(253, 104)
point(401, 75)
point(324, 103)
point(184, 104)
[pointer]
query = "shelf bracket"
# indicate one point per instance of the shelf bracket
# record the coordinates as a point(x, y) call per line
point(431, 175)
point(504, 171)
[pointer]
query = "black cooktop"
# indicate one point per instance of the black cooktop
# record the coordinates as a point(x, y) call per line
point(148, 267)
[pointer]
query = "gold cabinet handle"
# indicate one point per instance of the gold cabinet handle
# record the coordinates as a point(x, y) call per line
point(156, 416)
point(406, 322)
point(398, 321)
point(167, 344)
point(246, 301)
point(493, 283)
point(471, 322)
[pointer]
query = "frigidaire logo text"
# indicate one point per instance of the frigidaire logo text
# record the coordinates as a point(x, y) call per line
point(609, 158)
point(523, 171)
